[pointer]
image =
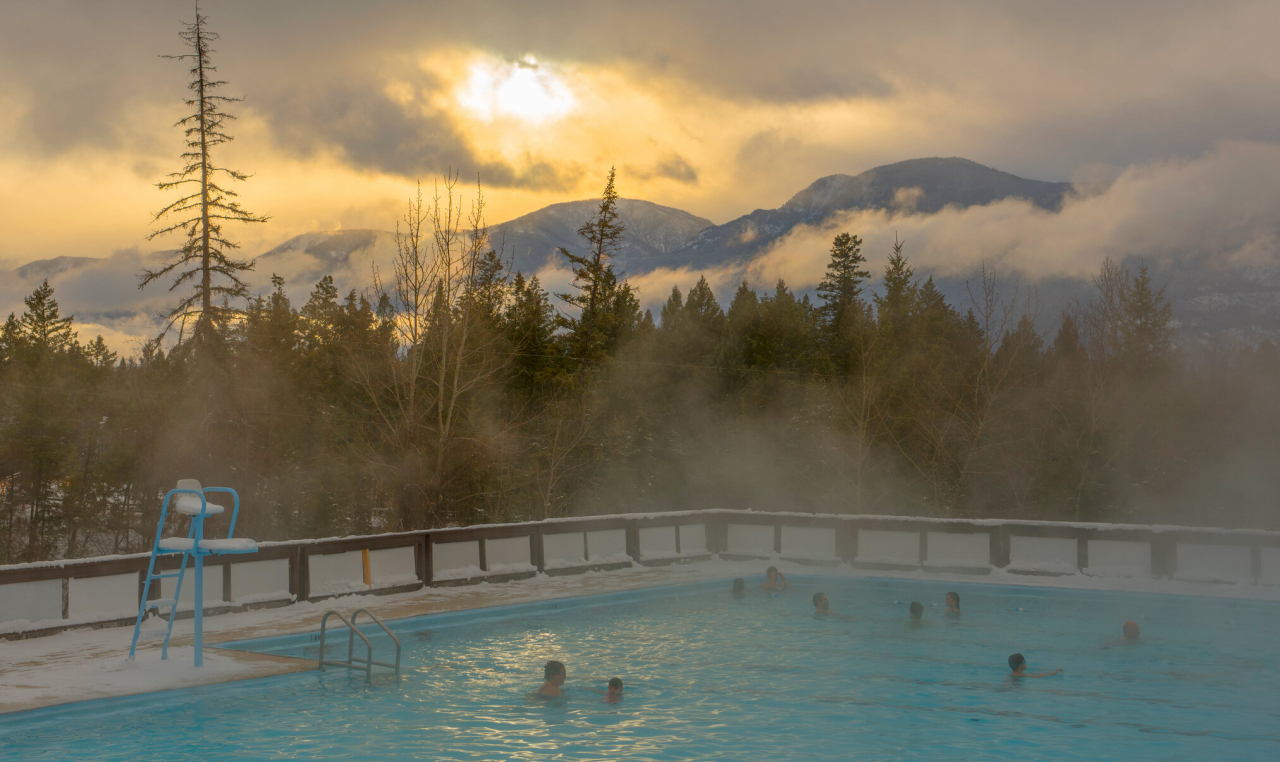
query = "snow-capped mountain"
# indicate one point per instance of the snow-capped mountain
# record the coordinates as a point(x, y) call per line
point(920, 185)
point(1236, 302)
point(652, 232)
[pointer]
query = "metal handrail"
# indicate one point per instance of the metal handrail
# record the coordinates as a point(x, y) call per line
point(351, 639)
point(355, 615)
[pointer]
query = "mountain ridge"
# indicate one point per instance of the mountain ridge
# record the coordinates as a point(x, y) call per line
point(921, 185)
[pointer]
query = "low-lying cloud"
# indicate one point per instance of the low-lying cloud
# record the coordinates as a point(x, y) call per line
point(1221, 210)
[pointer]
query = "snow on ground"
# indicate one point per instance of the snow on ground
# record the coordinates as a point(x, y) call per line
point(85, 664)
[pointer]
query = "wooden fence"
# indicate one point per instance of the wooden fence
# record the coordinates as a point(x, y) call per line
point(42, 598)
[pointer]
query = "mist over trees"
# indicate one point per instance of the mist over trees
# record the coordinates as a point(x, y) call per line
point(454, 391)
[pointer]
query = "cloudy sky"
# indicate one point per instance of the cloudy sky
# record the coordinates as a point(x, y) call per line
point(717, 108)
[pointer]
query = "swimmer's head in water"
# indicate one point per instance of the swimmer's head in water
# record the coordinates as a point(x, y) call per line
point(771, 572)
point(917, 610)
point(953, 601)
point(1131, 630)
point(820, 601)
point(739, 585)
point(615, 684)
point(553, 670)
point(1017, 662)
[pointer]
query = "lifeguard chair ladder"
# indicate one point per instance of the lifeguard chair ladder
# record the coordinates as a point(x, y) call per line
point(188, 499)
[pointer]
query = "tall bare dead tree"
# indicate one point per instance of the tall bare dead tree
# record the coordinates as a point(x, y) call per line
point(204, 259)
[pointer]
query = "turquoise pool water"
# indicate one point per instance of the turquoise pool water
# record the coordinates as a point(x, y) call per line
point(711, 677)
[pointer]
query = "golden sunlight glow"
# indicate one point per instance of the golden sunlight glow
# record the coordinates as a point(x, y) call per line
point(523, 90)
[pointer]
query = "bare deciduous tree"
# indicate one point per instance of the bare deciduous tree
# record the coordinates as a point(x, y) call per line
point(443, 358)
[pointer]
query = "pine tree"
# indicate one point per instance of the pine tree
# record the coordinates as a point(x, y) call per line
point(841, 287)
point(529, 325)
point(1146, 334)
point(1067, 346)
point(742, 326)
point(42, 327)
point(205, 205)
point(595, 281)
point(894, 308)
point(702, 308)
point(672, 310)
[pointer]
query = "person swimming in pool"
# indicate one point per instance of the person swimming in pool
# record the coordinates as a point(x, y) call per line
point(739, 588)
point(820, 604)
point(1131, 631)
point(554, 675)
point(774, 580)
point(916, 611)
point(1018, 664)
point(953, 604)
point(615, 691)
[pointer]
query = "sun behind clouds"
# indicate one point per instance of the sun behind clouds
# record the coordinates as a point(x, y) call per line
point(523, 90)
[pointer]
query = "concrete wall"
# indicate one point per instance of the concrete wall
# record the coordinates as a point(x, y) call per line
point(658, 542)
point(508, 555)
point(751, 539)
point(809, 543)
point(878, 546)
point(957, 550)
point(336, 573)
point(254, 581)
point(563, 550)
point(1054, 555)
point(33, 602)
point(1202, 562)
point(693, 539)
point(393, 567)
point(607, 546)
point(455, 560)
point(113, 597)
point(1270, 566)
point(1119, 558)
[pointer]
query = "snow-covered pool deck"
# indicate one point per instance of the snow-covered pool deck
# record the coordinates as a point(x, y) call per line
point(79, 665)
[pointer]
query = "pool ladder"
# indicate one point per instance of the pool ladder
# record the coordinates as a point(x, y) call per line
point(353, 661)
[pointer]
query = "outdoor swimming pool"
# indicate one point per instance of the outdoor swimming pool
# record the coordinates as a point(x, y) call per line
point(708, 676)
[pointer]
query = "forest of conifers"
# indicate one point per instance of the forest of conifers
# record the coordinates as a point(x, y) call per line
point(455, 392)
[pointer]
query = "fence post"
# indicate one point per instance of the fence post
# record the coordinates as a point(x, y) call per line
point(429, 558)
point(633, 540)
point(1164, 556)
point(304, 574)
point(848, 541)
point(1000, 546)
point(536, 539)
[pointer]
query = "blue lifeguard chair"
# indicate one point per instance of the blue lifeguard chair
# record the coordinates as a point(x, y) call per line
point(188, 499)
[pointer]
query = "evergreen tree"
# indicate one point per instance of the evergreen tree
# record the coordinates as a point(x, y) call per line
point(671, 311)
point(598, 299)
point(529, 325)
point(1146, 338)
point(205, 204)
point(841, 287)
point(895, 307)
point(42, 329)
point(742, 328)
point(1067, 346)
